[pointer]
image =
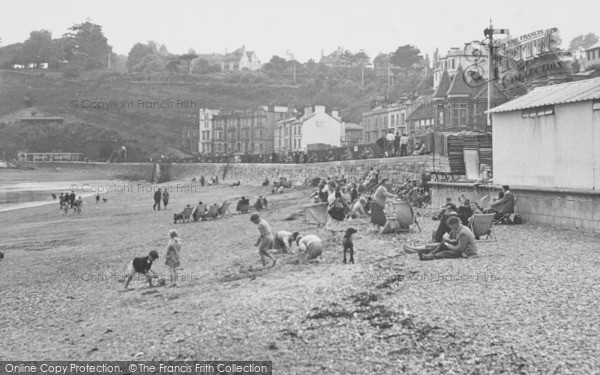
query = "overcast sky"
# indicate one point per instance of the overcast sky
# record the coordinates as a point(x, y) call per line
point(271, 27)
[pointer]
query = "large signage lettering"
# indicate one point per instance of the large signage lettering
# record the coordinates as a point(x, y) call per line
point(515, 60)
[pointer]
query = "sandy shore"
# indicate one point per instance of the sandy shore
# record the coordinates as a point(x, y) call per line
point(528, 304)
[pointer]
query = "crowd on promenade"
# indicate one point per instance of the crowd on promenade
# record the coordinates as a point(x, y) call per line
point(383, 148)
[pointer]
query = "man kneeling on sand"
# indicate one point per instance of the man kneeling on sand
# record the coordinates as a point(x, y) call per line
point(311, 245)
point(461, 244)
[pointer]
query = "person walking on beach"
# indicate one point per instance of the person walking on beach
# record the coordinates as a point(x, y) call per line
point(173, 256)
point(72, 199)
point(165, 197)
point(78, 205)
point(97, 198)
point(202, 180)
point(157, 197)
point(265, 240)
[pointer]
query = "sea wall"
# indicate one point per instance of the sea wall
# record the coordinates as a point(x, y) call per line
point(559, 208)
point(251, 174)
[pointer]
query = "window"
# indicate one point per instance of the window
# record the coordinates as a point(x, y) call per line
point(596, 105)
point(537, 112)
point(458, 114)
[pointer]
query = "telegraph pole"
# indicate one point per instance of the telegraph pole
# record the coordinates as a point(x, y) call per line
point(362, 76)
point(489, 33)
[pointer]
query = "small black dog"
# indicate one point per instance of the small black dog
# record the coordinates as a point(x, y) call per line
point(348, 245)
point(178, 218)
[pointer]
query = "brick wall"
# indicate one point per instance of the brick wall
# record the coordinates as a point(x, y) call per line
point(560, 208)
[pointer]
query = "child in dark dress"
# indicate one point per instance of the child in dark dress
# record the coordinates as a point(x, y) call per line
point(142, 265)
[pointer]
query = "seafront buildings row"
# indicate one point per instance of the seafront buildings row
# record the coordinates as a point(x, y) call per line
point(458, 100)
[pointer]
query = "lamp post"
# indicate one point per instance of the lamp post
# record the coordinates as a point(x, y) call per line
point(489, 33)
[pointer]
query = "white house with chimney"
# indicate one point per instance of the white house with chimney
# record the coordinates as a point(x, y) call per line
point(313, 128)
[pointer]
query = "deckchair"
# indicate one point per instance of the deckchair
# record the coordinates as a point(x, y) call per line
point(507, 217)
point(316, 213)
point(405, 215)
point(483, 225)
point(224, 209)
point(187, 212)
point(213, 211)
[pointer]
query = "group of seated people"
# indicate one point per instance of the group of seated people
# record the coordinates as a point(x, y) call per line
point(243, 205)
point(417, 193)
point(281, 185)
point(453, 238)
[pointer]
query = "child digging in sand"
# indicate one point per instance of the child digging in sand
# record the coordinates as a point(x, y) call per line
point(142, 265)
point(265, 241)
point(173, 252)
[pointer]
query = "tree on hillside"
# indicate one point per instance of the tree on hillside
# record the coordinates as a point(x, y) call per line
point(150, 63)
point(361, 58)
point(10, 55)
point(276, 64)
point(582, 42)
point(173, 66)
point(87, 44)
point(436, 58)
point(406, 56)
point(188, 58)
point(202, 66)
point(39, 48)
point(138, 52)
point(162, 50)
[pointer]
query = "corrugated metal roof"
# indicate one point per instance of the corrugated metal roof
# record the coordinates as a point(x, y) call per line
point(587, 89)
point(597, 45)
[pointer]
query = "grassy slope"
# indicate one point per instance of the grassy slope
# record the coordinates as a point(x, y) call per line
point(159, 129)
point(153, 127)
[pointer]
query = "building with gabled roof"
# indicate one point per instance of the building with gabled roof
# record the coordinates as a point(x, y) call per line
point(240, 59)
point(591, 57)
point(295, 134)
point(461, 102)
point(471, 57)
point(235, 61)
point(421, 115)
